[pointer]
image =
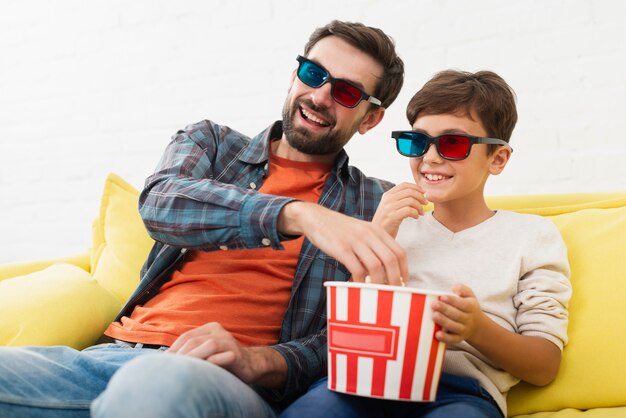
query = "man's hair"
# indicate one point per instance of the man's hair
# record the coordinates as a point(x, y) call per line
point(483, 94)
point(376, 44)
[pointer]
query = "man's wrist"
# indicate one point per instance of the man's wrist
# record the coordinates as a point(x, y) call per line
point(289, 219)
point(270, 367)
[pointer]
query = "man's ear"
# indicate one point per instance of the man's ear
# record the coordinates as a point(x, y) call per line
point(371, 119)
point(499, 159)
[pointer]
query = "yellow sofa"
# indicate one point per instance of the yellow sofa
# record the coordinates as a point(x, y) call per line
point(70, 301)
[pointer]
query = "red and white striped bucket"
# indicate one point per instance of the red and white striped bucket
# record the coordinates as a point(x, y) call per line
point(381, 341)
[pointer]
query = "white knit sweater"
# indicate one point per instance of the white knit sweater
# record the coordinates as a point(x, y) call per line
point(518, 269)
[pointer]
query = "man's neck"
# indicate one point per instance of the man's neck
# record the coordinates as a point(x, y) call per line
point(281, 148)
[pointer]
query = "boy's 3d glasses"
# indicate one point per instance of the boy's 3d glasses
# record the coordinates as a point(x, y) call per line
point(450, 146)
point(342, 91)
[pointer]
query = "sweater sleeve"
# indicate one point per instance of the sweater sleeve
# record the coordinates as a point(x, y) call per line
point(544, 288)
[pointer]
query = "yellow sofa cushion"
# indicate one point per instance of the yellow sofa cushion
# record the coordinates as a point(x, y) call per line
point(120, 241)
point(592, 368)
point(65, 304)
point(61, 304)
point(619, 412)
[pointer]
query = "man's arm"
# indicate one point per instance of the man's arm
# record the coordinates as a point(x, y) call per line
point(260, 366)
point(185, 205)
point(189, 200)
point(364, 248)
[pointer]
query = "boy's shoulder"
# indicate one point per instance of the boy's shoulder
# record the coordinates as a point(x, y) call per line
point(528, 233)
point(516, 220)
point(504, 224)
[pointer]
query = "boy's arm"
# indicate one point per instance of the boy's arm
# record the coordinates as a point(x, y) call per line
point(532, 359)
point(533, 352)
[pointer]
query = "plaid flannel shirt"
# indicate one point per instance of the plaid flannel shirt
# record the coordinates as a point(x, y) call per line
point(203, 195)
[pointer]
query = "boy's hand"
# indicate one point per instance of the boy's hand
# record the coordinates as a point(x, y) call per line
point(405, 200)
point(459, 315)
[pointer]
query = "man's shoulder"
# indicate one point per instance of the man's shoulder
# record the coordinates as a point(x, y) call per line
point(208, 129)
point(373, 182)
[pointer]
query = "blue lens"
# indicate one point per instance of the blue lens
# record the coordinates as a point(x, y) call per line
point(311, 74)
point(412, 143)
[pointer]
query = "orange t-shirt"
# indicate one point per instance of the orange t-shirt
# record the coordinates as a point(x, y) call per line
point(247, 291)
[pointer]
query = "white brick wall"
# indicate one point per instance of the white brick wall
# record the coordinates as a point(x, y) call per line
point(90, 87)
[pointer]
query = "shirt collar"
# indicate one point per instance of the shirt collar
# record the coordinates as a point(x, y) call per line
point(257, 151)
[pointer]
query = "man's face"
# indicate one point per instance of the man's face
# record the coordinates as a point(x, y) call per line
point(313, 122)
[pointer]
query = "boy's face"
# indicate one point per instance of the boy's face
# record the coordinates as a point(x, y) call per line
point(445, 181)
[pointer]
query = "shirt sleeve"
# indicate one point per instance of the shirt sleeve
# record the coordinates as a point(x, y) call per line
point(185, 204)
point(544, 288)
point(306, 360)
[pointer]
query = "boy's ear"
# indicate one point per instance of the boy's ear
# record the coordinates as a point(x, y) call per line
point(371, 119)
point(499, 159)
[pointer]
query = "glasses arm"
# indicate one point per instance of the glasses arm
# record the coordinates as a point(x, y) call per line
point(373, 100)
point(493, 141)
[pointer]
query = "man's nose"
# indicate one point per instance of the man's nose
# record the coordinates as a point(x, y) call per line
point(322, 96)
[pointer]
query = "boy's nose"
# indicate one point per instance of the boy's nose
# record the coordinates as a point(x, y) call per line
point(431, 154)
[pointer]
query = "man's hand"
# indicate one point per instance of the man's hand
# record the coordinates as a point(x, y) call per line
point(253, 365)
point(363, 247)
point(405, 200)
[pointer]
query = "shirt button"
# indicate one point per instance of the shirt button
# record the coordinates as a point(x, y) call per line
point(223, 247)
point(266, 241)
point(253, 185)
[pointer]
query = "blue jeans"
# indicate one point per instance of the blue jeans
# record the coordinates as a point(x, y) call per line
point(457, 397)
point(61, 382)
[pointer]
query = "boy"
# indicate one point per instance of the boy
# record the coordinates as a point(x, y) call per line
point(508, 272)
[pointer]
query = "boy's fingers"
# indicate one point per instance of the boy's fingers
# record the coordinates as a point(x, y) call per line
point(462, 291)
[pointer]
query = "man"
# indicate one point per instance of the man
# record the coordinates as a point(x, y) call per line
point(232, 285)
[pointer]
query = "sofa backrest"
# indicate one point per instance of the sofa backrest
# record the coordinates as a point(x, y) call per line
point(593, 226)
point(594, 229)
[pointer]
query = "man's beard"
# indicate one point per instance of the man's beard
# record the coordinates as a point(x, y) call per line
point(305, 141)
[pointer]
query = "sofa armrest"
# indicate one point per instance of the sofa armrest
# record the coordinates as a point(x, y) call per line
point(9, 270)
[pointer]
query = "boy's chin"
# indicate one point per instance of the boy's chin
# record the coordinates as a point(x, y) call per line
point(429, 193)
point(433, 196)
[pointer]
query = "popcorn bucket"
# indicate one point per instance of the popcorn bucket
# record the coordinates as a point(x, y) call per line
point(381, 341)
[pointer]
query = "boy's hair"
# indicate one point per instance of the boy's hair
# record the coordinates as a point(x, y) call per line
point(483, 94)
point(376, 44)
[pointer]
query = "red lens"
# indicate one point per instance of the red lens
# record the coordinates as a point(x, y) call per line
point(454, 146)
point(346, 94)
